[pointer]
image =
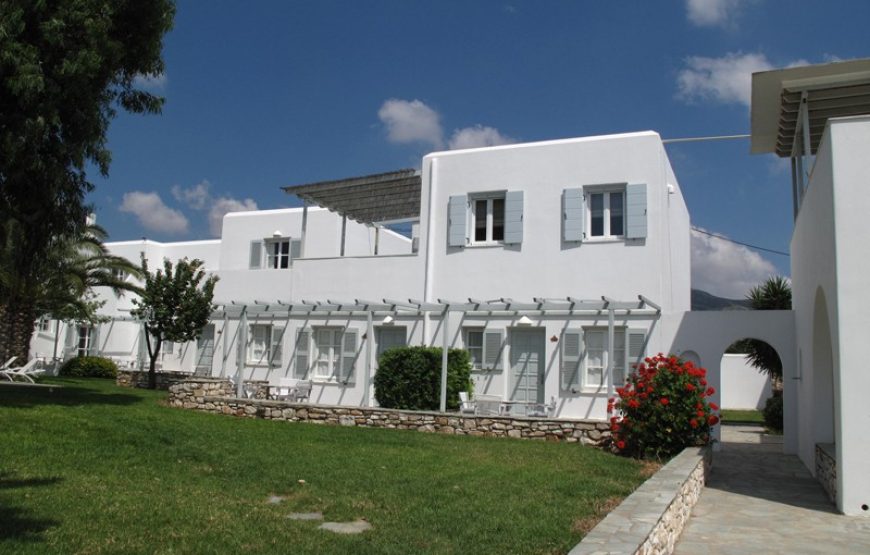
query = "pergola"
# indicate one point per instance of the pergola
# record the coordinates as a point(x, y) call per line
point(567, 307)
point(383, 198)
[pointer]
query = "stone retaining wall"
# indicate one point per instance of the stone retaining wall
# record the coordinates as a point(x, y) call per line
point(650, 520)
point(826, 469)
point(217, 396)
point(136, 378)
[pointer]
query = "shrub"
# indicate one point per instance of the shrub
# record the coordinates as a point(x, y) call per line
point(662, 409)
point(89, 367)
point(410, 378)
point(773, 413)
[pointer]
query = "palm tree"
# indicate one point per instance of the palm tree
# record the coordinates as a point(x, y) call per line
point(59, 284)
point(773, 294)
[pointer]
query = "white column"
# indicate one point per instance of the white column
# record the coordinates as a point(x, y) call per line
point(225, 347)
point(610, 353)
point(445, 323)
point(243, 343)
point(370, 337)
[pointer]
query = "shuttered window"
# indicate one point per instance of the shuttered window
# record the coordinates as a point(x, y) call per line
point(276, 345)
point(256, 255)
point(493, 344)
point(636, 208)
point(302, 359)
point(349, 352)
point(457, 221)
point(572, 214)
point(513, 218)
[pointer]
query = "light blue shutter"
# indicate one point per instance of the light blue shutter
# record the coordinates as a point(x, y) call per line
point(513, 218)
point(276, 344)
point(457, 221)
point(295, 249)
point(635, 348)
point(493, 340)
point(572, 214)
point(572, 354)
point(349, 342)
point(256, 259)
point(635, 211)
point(303, 358)
point(94, 341)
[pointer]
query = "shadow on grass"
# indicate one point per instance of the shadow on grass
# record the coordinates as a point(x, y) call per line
point(68, 395)
point(17, 523)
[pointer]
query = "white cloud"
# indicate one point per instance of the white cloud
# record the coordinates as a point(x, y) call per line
point(727, 79)
point(223, 205)
point(477, 136)
point(712, 13)
point(196, 197)
point(726, 269)
point(151, 81)
point(411, 121)
point(152, 213)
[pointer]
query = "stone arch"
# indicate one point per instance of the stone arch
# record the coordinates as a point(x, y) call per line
point(823, 373)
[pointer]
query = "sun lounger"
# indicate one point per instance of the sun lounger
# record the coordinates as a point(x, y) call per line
point(26, 372)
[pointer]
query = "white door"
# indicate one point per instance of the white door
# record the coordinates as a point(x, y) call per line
point(527, 365)
point(205, 351)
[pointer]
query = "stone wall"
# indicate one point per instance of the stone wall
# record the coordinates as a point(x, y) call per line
point(826, 469)
point(217, 396)
point(136, 378)
point(650, 520)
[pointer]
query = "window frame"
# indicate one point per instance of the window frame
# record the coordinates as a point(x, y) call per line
point(88, 340)
point(335, 357)
point(280, 260)
point(45, 325)
point(476, 366)
point(489, 228)
point(263, 360)
point(606, 191)
point(620, 346)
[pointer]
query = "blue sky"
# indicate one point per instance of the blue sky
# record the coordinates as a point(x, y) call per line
point(265, 94)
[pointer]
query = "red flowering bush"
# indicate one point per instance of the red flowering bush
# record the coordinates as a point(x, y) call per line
point(662, 409)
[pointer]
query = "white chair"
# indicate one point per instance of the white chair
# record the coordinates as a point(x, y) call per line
point(487, 405)
point(26, 372)
point(301, 392)
point(466, 406)
point(8, 363)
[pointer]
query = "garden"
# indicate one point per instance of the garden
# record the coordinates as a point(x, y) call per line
point(90, 467)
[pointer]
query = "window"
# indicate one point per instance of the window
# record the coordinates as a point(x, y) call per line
point(43, 325)
point(167, 349)
point(487, 218)
point(119, 274)
point(390, 337)
point(83, 347)
point(595, 368)
point(278, 254)
point(327, 353)
point(264, 344)
point(606, 213)
point(474, 346)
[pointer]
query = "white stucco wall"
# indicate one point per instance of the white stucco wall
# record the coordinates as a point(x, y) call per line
point(743, 385)
point(544, 265)
point(829, 272)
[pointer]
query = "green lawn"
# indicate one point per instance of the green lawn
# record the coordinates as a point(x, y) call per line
point(735, 416)
point(93, 468)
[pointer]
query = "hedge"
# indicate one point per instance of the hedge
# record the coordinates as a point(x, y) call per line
point(89, 367)
point(409, 378)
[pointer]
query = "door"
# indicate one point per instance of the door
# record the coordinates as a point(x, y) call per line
point(527, 365)
point(205, 351)
point(389, 337)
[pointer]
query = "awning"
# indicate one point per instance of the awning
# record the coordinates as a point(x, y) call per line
point(831, 90)
point(384, 197)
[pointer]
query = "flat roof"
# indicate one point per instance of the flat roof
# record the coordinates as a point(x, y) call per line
point(835, 89)
point(382, 197)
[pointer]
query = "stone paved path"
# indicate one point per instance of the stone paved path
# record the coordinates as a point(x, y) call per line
point(761, 501)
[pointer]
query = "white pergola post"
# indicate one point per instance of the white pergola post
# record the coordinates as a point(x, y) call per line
point(445, 323)
point(610, 353)
point(343, 232)
point(225, 348)
point(243, 342)
point(370, 337)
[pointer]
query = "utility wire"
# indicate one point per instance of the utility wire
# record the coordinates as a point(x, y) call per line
point(717, 236)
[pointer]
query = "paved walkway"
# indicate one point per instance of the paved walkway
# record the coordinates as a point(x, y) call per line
point(761, 501)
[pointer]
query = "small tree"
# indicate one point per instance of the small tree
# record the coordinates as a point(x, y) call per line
point(773, 294)
point(175, 305)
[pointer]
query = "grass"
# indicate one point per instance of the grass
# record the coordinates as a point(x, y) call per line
point(736, 416)
point(93, 468)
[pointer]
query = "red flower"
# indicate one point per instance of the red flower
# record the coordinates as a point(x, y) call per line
point(614, 427)
point(613, 419)
point(620, 445)
point(690, 387)
point(700, 414)
point(703, 382)
point(693, 423)
point(698, 405)
point(633, 404)
point(713, 420)
point(664, 401)
point(714, 406)
point(710, 391)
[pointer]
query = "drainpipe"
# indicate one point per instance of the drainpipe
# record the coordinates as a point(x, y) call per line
point(370, 337)
point(610, 353)
point(445, 322)
point(243, 343)
point(427, 270)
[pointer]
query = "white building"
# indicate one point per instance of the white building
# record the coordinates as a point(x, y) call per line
point(557, 264)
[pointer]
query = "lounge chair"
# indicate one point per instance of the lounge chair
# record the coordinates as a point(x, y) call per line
point(301, 392)
point(8, 363)
point(26, 372)
point(466, 406)
point(487, 405)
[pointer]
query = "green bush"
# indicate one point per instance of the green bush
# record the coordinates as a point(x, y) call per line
point(410, 378)
point(662, 409)
point(89, 367)
point(773, 413)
